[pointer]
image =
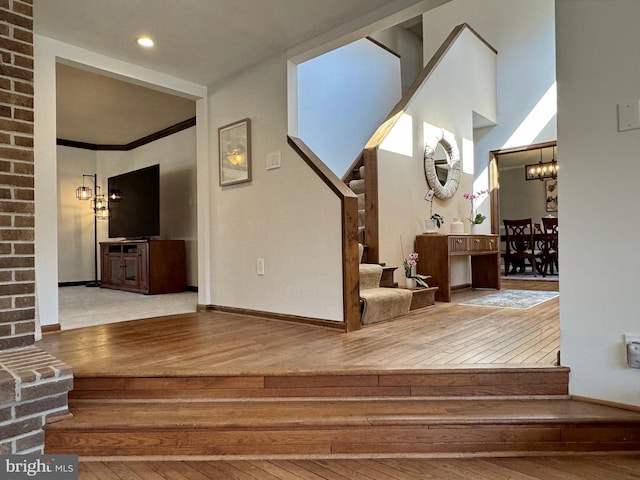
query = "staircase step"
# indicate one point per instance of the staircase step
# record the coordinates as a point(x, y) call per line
point(423, 297)
point(357, 186)
point(441, 382)
point(340, 427)
point(387, 277)
point(357, 173)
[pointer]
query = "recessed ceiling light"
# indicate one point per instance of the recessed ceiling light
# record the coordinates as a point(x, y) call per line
point(145, 41)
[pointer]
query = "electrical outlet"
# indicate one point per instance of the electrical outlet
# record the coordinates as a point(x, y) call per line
point(632, 346)
point(260, 266)
point(628, 115)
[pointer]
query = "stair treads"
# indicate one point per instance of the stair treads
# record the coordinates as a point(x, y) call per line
point(332, 413)
point(357, 186)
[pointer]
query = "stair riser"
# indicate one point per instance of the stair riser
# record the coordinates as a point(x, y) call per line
point(454, 440)
point(449, 384)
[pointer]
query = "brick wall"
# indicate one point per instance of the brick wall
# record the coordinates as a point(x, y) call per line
point(34, 390)
point(34, 385)
point(17, 275)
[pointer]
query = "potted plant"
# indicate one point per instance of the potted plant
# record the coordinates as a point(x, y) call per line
point(475, 217)
point(413, 278)
point(435, 220)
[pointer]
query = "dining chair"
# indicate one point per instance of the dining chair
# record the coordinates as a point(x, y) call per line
point(550, 244)
point(520, 247)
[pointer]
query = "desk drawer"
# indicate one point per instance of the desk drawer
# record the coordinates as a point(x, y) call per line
point(458, 244)
point(483, 244)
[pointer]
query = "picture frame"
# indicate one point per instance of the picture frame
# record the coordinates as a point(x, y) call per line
point(551, 195)
point(234, 147)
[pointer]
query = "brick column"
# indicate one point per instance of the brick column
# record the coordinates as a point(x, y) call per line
point(17, 274)
point(33, 384)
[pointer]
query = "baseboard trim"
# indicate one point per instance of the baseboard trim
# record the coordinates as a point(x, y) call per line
point(606, 403)
point(462, 286)
point(50, 328)
point(191, 288)
point(274, 316)
point(74, 284)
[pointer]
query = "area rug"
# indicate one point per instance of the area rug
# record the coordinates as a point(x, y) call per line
point(520, 299)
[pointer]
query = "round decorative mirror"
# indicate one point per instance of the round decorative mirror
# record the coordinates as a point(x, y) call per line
point(441, 162)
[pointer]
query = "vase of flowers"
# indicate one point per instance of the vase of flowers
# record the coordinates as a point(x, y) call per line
point(475, 217)
point(412, 278)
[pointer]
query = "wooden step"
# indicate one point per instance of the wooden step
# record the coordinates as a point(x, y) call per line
point(422, 297)
point(341, 427)
point(357, 186)
point(442, 382)
point(387, 279)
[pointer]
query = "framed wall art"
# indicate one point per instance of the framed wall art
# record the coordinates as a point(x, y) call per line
point(551, 195)
point(234, 142)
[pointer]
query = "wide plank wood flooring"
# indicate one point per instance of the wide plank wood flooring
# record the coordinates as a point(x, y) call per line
point(530, 468)
point(213, 343)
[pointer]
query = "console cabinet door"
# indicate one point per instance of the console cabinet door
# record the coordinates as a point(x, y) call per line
point(114, 269)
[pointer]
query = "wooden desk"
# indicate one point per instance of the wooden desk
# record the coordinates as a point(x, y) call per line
point(436, 250)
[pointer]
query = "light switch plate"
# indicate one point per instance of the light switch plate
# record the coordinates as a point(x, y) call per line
point(273, 160)
point(260, 266)
point(628, 115)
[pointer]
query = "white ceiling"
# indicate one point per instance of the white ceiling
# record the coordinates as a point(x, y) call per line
point(101, 110)
point(202, 41)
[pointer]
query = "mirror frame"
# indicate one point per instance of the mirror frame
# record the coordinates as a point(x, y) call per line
point(432, 138)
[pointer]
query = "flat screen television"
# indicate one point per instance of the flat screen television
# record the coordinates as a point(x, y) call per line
point(136, 213)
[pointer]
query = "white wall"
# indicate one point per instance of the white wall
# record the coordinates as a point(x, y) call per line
point(520, 198)
point(447, 100)
point(523, 33)
point(598, 67)
point(287, 216)
point(343, 96)
point(75, 217)
point(409, 46)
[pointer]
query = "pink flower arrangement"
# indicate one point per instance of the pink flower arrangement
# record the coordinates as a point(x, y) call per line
point(474, 217)
point(409, 263)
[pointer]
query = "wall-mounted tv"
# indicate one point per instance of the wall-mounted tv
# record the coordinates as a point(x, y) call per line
point(135, 210)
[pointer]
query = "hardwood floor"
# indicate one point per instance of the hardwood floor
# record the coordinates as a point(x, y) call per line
point(448, 380)
point(530, 468)
point(214, 343)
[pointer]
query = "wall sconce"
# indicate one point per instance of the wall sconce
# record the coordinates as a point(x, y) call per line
point(236, 156)
point(542, 170)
